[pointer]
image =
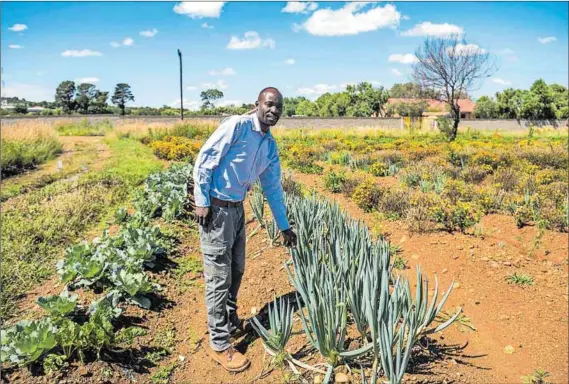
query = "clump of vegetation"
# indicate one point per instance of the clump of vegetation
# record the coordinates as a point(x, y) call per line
point(333, 181)
point(367, 195)
point(84, 127)
point(25, 146)
point(519, 279)
point(176, 148)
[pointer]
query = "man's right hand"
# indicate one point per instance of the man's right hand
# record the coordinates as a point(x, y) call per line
point(202, 216)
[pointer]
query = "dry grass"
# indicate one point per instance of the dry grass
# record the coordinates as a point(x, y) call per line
point(27, 131)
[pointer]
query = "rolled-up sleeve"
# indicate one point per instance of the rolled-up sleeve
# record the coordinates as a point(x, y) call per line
point(215, 147)
point(272, 186)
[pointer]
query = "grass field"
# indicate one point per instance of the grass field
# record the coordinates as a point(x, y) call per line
point(487, 215)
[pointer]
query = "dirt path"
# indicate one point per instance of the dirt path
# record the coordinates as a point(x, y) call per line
point(80, 154)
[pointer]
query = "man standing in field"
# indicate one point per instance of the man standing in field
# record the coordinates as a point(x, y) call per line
point(239, 152)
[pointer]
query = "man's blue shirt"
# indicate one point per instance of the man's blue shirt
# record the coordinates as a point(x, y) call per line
point(233, 158)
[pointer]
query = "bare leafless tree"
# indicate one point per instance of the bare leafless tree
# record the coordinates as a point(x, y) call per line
point(452, 67)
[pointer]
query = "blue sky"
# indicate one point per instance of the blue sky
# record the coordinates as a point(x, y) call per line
point(240, 47)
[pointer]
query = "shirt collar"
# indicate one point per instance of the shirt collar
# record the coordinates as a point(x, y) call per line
point(256, 124)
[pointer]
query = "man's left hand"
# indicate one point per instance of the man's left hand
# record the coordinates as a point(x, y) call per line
point(289, 238)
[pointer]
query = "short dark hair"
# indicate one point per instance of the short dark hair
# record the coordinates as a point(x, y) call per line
point(267, 89)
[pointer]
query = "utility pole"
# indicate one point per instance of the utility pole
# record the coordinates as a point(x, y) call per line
point(181, 88)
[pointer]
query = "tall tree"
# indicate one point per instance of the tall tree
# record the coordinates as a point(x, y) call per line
point(366, 100)
point(453, 67)
point(209, 96)
point(100, 105)
point(86, 96)
point(64, 96)
point(121, 96)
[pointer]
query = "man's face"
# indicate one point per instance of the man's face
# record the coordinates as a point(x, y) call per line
point(270, 107)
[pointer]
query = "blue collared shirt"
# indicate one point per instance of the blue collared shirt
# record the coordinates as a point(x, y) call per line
point(237, 154)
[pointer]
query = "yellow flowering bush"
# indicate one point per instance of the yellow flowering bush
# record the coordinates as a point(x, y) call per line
point(367, 195)
point(459, 216)
point(176, 148)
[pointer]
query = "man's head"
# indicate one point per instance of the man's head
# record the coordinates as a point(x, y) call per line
point(269, 106)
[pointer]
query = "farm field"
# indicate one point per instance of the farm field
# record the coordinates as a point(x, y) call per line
point(487, 215)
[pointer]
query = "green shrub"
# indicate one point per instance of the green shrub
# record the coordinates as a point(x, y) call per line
point(459, 216)
point(378, 169)
point(333, 181)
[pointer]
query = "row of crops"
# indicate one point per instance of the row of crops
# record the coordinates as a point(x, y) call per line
point(345, 280)
point(118, 266)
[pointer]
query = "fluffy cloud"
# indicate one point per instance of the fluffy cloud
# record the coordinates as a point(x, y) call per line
point(188, 104)
point(18, 27)
point(350, 20)
point(128, 42)
point(222, 72)
point(396, 72)
point(251, 40)
point(149, 33)
point(548, 39)
point(299, 7)
point(436, 30)
point(221, 84)
point(317, 89)
point(14, 46)
point(206, 25)
point(290, 61)
point(28, 92)
point(407, 58)
point(226, 103)
point(199, 9)
point(497, 80)
point(87, 80)
point(466, 50)
point(82, 53)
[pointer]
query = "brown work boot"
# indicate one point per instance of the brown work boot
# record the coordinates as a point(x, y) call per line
point(230, 359)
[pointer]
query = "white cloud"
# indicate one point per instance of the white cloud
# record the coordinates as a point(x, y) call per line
point(206, 25)
point(407, 58)
point(317, 89)
point(251, 40)
point(188, 104)
point(191, 87)
point(82, 53)
point(438, 30)
point(28, 91)
point(87, 80)
point(149, 33)
point(14, 46)
point(350, 20)
point(222, 72)
point(128, 42)
point(497, 80)
point(18, 27)
point(115, 44)
point(466, 50)
point(221, 84)
point(290, 61)
point(299, 7)
point(226, 103)
point(199, 9)
point(545, 40)
point(396, 72)
point(405, 17)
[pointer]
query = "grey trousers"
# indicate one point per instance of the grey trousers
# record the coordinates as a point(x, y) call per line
point(223, 248)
